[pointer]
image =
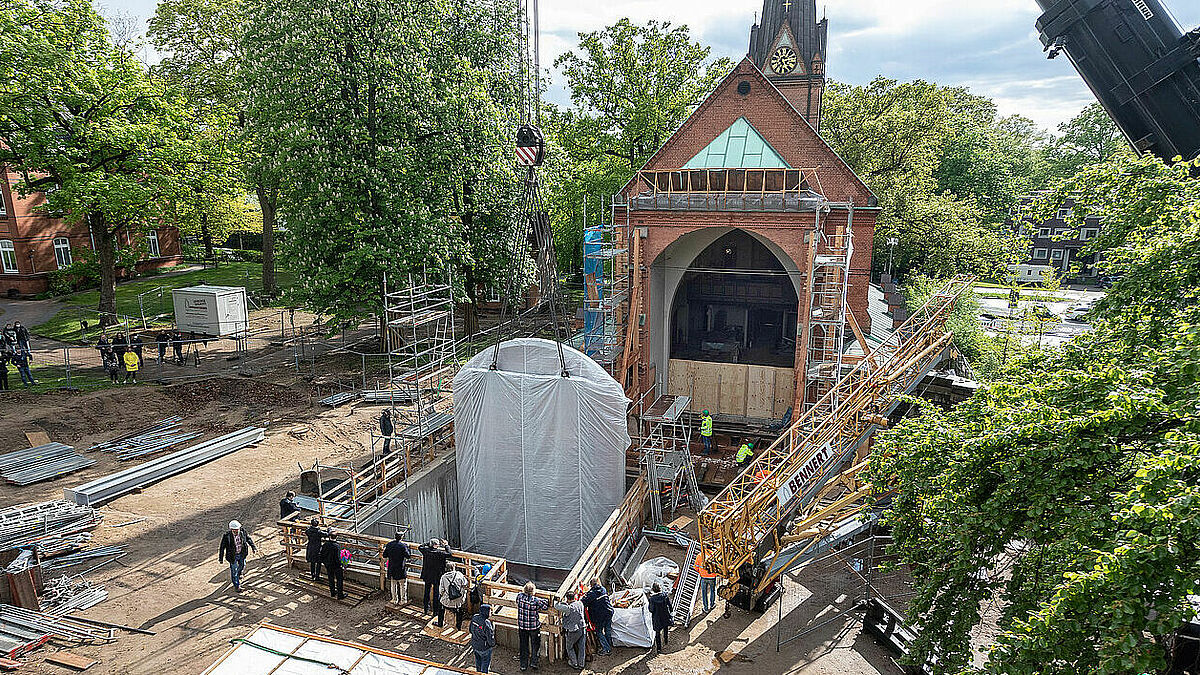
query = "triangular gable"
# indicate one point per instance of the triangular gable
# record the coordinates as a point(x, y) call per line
point(740, 146)
point(776, 120)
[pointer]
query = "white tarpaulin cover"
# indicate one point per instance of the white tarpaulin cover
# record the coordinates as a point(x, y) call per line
point(541, 457)
point(276, 652)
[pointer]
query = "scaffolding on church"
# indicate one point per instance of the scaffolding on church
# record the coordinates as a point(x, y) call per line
point(419, 321)
point(824, 334)
point(606, 259)
point(665, 455)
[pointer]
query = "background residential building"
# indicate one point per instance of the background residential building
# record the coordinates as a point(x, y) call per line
point(1057, 245)
point(34, 243)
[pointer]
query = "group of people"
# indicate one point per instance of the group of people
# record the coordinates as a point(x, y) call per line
point(447, 590)
point(14, 349)
point(323, 550)
point(123, 354)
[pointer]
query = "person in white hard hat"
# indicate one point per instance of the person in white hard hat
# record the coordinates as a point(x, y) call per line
point(235, 546)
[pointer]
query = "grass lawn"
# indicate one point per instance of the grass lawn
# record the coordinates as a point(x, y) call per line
point(81, 306)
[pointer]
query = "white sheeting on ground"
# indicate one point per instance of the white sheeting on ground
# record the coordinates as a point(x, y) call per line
point(541, 457)
point(267, 650)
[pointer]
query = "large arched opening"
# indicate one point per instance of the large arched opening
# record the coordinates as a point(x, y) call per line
point(735, 304)
point(722, 324)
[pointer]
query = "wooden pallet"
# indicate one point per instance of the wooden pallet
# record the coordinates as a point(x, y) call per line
point(355, 593)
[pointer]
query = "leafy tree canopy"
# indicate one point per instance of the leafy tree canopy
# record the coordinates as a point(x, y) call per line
point(390, 124)
point(1091, 137)
point(946, 169)
point(1067, 489)
point(82, 120)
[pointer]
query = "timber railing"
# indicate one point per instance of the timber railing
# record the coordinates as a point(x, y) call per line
point(367, 563)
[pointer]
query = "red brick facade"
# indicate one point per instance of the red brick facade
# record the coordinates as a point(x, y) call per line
point(786, 130)
point(32, 235)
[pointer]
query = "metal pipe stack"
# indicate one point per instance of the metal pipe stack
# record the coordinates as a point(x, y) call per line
point(29, 622)
point(43, 462)
point(55, 527)
point(114, 485)
point(63, 562)
point(163, 435)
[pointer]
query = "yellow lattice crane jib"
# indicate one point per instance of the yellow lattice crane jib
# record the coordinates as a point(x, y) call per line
point(806, 481)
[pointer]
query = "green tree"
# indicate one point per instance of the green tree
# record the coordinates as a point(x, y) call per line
point(1091, 137)
point(202, 40)
point(390, 124)
point(1067, 490)
point(82, 121)
point(944, 167)
point(632, 86)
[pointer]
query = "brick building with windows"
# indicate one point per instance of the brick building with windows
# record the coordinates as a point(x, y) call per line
point(33, 243)
point(1056, 245)
point(735, 303)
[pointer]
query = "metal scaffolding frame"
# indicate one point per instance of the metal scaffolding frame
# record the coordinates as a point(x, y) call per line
point(665, 455)
point(831, 246)
point(605, 289)
point(419, 334)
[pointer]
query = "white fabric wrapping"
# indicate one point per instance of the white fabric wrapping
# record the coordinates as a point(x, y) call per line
point(541, 457)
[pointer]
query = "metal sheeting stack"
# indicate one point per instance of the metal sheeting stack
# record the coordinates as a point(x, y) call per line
point(55, 527)
point(43, 462)
point(44, 625)
point(163, 435)
point(114, 485)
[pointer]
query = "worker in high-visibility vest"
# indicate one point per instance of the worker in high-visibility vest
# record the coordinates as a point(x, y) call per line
point(708, 583)
point(745, 453)
point(706, 431)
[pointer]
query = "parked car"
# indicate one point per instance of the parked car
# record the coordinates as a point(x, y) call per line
point(1078, 310)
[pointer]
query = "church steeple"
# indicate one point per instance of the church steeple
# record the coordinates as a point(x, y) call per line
point(788, 46)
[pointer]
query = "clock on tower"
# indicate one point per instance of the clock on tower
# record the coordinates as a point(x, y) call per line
point(783, 61)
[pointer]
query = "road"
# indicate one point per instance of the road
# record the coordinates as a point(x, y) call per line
point(1054, 333)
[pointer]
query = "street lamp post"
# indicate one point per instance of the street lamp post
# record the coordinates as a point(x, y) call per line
point(891, 242)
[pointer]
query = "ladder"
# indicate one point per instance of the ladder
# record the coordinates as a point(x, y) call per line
point(685, 588)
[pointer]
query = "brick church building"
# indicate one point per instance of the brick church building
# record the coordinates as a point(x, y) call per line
point(750, 239)
point(33, 243)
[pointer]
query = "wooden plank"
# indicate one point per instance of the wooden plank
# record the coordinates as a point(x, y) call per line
point(73, 661)
point(760, 391)
point(733, 388)
point(37, 438)
point(785, 391)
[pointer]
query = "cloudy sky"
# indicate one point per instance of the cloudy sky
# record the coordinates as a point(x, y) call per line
point(987, 45)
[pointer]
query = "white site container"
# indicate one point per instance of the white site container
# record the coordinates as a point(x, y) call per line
point(211, 310)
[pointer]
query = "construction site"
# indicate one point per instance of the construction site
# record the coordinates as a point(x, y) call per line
point(699, 419)
point(708, 408)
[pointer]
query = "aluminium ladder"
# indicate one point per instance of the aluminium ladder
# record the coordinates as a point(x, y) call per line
point(686, 587)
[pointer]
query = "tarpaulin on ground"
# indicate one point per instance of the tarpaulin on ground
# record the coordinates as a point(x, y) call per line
point(541, 457)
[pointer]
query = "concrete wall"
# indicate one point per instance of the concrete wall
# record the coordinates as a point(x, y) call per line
point(427, 503)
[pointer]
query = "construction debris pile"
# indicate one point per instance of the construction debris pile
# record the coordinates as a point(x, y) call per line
point(43, 462)
point(163, 435)
point(64, 595)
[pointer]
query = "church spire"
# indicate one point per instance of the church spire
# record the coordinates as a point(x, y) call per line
point(788, 45)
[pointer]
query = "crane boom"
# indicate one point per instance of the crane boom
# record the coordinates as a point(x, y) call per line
point(809, 474)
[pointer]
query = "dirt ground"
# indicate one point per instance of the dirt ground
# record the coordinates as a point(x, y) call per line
point(171, 583)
